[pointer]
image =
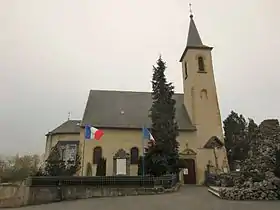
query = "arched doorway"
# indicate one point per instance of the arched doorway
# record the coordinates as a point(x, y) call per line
point(189, 174)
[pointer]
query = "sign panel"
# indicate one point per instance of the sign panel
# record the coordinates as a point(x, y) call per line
point(186, 171)
point(121, 166)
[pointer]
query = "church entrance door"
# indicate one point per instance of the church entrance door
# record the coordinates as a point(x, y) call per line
point(189, 172)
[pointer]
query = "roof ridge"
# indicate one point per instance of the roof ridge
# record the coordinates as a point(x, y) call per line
point(121, 91)
point(127, 91)
point(73, 120)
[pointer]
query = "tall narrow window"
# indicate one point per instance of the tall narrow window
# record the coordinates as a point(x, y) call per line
point(72, 149)
point(186, 70)
point(201, 64)
point(97, 155)
point(134, 155)
point(63, 153)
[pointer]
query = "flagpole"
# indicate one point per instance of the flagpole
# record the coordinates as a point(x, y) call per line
point(143, 155)
point(84, 151)
point(84, 146)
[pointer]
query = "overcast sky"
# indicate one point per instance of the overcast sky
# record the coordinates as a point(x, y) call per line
point(52, 52)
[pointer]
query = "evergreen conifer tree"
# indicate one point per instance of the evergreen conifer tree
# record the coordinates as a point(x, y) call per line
point(236, 141)
point(55, 166)
point(89, 169)
point(101, 167)
point(163, 156)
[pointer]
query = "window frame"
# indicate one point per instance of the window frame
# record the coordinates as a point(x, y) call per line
point(134, 158)
point(201, 64)
point(96, 151)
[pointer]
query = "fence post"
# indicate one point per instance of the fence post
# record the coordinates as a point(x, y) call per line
point(59, 191)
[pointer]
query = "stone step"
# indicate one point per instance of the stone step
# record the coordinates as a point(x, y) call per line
point(214, 191)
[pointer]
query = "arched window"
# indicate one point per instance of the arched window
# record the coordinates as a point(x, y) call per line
point(134, 155)
point(203, 94)
point(97, 155)
point(201, 64)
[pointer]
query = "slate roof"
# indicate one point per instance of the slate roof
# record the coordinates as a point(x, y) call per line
point(70, 126)
point(193, 35)
point(125, 109)
point(194, 40)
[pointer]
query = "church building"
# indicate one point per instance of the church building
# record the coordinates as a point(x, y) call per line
point(121, 115)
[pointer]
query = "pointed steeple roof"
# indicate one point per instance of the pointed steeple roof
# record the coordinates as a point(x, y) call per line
point(194, 40)
point(193, 35)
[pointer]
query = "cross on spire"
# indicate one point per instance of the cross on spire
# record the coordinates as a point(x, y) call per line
point(191, 13)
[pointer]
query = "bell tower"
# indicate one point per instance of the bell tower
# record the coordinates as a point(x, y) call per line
point(200, 95)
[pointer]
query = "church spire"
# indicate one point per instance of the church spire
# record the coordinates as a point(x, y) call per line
point(194, 41)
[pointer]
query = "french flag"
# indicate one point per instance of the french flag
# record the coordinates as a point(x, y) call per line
point(93, 133)
point(147, 135)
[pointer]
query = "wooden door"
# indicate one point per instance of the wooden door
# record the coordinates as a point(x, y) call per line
point(189, 172)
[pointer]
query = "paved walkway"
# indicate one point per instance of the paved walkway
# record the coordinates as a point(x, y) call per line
point(188, 198)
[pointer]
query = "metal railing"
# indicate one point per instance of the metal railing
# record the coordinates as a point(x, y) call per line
point(166, 181)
